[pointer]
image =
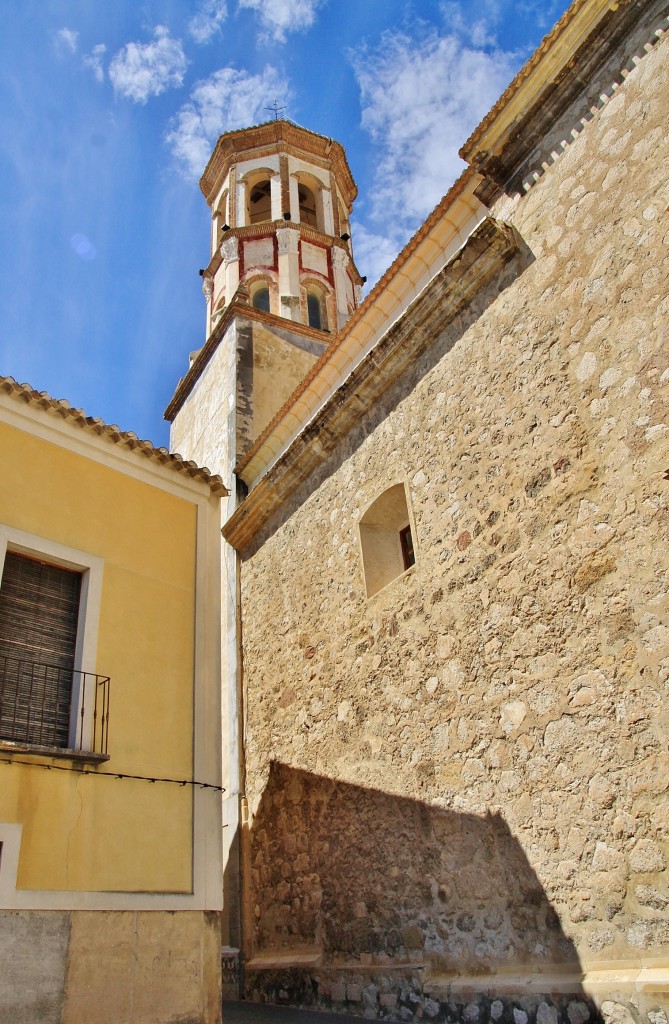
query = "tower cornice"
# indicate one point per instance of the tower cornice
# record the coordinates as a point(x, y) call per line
point(275, 136)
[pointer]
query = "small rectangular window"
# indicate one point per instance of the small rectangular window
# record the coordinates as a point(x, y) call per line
point(406, 542)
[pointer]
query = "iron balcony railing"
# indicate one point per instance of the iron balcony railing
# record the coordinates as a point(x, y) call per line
point(50, 706)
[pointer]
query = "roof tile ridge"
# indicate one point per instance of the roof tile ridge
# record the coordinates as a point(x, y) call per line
point(95, 425)
point(520, 76)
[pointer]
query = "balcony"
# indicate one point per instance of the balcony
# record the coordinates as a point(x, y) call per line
point(51, 710)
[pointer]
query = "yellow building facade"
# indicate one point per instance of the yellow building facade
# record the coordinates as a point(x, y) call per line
point(110, 797)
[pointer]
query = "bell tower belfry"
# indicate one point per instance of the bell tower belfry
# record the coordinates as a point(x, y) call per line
point(280, 285)
point(281, 200)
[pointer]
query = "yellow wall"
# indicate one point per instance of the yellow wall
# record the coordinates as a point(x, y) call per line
point(82, 832)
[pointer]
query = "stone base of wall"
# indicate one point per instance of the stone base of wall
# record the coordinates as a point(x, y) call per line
point(110, 967)
point(410, 996)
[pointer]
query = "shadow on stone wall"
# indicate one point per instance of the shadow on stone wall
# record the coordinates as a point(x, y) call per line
point(413, 911)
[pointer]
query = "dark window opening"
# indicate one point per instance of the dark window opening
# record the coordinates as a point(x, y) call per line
point(315, 311)
point(260, 203)
point(260, 299)
point(307, 206)
point(406, 543)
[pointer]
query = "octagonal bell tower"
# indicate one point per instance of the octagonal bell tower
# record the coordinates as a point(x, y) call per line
point(281, 199)
point(280, 284)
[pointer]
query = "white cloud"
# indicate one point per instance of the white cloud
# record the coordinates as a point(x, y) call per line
point(480, 31)
point(141, 70)
point(93, 61)
point(66, 40)
point(280, 17)
point(421, 98)
point(227, 99)
point(207, 21)
point(374, 252)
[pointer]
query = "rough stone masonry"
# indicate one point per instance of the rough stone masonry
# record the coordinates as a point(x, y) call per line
point(458, 788)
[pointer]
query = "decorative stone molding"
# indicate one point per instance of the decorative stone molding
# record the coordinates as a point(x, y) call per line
point(230, 249)
point(288, 240)
point(340, 259)
point(208, 288)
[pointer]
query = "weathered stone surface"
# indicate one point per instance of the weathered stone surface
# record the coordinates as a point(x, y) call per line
point(33, 954)
point(510, 815)
point(616, 1013)
point(647, 857)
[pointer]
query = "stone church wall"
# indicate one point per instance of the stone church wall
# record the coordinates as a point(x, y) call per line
point(458, 788)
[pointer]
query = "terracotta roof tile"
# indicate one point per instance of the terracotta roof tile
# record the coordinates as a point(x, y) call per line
point(113, 433)
point(572, 11)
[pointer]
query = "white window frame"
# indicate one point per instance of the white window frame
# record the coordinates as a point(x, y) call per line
point(91, 569)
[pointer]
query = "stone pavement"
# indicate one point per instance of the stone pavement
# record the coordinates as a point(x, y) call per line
point(265, 1013)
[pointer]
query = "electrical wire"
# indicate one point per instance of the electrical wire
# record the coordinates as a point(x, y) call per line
point(113, 775)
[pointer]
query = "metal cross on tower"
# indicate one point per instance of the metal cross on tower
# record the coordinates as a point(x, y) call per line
point(275, 109)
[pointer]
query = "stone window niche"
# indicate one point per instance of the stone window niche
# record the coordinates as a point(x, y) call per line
point(386, 539)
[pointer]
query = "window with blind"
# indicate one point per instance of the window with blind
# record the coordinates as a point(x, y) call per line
point(39, 611)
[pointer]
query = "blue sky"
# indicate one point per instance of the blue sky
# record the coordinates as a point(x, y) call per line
point(111, 110)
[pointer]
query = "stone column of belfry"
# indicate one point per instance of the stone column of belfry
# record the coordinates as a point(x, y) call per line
point(288, 241)
point(230, 254)
point(340, 261)
point(240, 204)
point(208, 292)
point(285, 184)
point(232, 198)
point(328, 220)
point(293, 199)
point(275, 185)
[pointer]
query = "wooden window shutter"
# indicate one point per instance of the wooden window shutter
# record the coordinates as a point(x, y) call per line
point(39, 610)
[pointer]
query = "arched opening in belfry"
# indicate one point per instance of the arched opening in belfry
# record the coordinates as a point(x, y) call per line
point(307, 200)
point(260, 298)
point(316, 314)
point(260, 201)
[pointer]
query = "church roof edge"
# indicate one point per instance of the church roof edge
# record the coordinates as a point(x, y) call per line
point(551, 76)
